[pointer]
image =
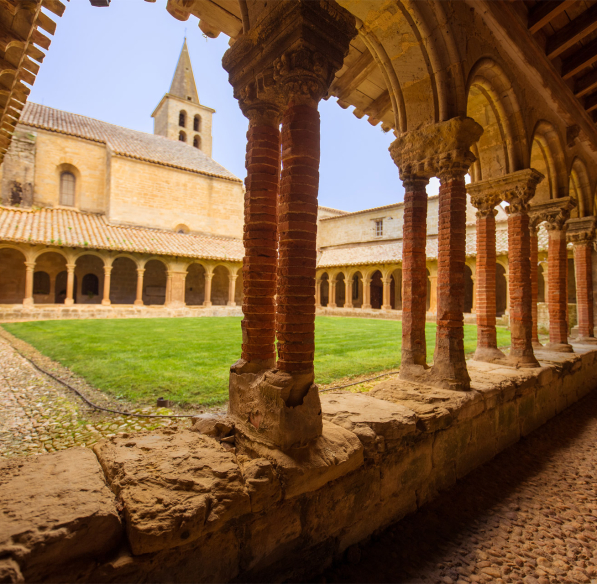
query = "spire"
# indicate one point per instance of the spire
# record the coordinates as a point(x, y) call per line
point(183, 82)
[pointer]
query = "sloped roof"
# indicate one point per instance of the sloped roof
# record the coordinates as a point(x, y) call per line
point(125, 142)
point(62, 227)
point(183, 82)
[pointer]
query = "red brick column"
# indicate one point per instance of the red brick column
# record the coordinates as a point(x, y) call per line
point(485, 280)
point(557, 293)
point(414, 275)
point(449, 363)
point(583, 251)
point(295, 319)
point(534, 283)
point(260, 240)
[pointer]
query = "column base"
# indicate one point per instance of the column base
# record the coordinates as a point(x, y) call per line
point(207, 304)
point(68, 302)
point(488, 355)
point(537, 345)
point(348, 306)
point(106, 303)
point(366, 306)
point(450, 376)
point(231, 304)
point(434, 376)
point(523, 361)
point(386, 307)
point(585, 340)
point(28, 302)
point(559, 348)
point(138, 303)
point(330, 305)
point(275, 407)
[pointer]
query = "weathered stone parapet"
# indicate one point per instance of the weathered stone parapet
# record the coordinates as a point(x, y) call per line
point(518, 189)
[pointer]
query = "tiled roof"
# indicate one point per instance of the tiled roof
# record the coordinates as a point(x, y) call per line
point(68, 228)
point(125, 142)
point(391, 251)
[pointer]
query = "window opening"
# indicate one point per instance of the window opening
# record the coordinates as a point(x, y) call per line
point(182, 137)
point(182, 119)
point(197, 124)
point(378, 227)
point(67, 189)
point(197, 142)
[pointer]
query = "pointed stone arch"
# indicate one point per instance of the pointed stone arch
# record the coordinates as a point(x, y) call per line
point(547, 155)
point(580, 189)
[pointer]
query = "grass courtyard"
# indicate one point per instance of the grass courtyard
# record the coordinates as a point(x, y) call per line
point(187, 359)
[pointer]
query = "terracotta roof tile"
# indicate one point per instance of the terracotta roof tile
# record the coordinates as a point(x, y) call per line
point(123, 141)
point(64, 227)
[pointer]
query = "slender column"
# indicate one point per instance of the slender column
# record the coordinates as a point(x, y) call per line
point(348, 292)
point(485, 292)
point(387, 286)
point(139, 298)
point(332, 289)
point(168, 298)
point(474, 306)
point(208, 278)
point(70, 284)
point(232, 289)
point(507, 278)
point(583, 251)
point(432, 293)
point(449, 363)
point(318, 292)
point(366, 292)
point(29, 271)
point(557, 294)
point(107, 277)
point(535, 282)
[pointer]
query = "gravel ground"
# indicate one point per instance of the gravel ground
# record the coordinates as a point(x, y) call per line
point(529, 515)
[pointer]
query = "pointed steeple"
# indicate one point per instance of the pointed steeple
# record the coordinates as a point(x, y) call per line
point(183, 82)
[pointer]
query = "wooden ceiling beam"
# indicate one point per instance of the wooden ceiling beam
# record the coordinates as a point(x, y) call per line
point(572, 33)
point(586, 84)
point(545, 12)
point(580, 60)
point(591, 102)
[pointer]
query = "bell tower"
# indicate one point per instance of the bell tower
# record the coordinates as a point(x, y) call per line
point(179, 115)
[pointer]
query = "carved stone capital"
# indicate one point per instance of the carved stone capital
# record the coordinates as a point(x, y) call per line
point(518, 188)
point(441, 149)
point(555, 213)
point(581, 231)
point(262, 99)
point(484, 198)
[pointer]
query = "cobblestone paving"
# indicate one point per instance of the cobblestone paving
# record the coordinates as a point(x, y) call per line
point(39, 415)
point(529, 516)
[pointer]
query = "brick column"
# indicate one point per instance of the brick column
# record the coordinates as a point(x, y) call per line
point(332, 299)
point(139, 298)
point(29, 272)
point(387, 287)
point(232, 289)
point(534, 232)
point(583, 252)
point(484, 198)
point(107, 278)
point(366, 281)
point(207, 296)
point(348, 292)
point(70, 284)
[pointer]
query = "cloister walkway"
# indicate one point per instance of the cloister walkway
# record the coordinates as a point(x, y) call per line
point(529, 515)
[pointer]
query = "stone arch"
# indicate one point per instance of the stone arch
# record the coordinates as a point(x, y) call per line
point(219, 285)
point(194, 294)
point(54, 263)
point(468, 289)
point(580, 189)
point(89, 265)
point(82, 253)
point(493, 104)
point(501, 289)
point(56, 250)
point(340, 279)
point(357, 288)
point(548, 157)
point(155, 280)
point(324, 289)
point(12, 275)
point(123, 281)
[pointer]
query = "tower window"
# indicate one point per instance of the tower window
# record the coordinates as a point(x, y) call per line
point(182, 136)
point(67, 189)
point(197, 142)
point(378, 227)
point(197, 123)
point(182, 119)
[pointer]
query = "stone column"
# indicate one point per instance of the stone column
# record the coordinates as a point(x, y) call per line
point(332, 293)
point(583, 251)
point(519, 190)
point(557, 291)
point(175, 295)
point(432, 293)
point(485, 197)
point(139, 298)
point(70, 284)
point(292, 70)
point(387, 287)
point(366, 292)
point(107, 277)
point(317, 292)
point(29, 271)
point(208, 278)
point(534, 232)
point(348, 291)
point(232, 289)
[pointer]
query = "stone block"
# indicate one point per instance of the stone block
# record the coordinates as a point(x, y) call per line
point(261, 481)
point(301, 470)
point(175, 486)
point(55, 509)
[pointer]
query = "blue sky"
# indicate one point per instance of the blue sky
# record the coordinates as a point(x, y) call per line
point(115, 64)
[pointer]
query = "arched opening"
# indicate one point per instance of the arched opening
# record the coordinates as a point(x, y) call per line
point(357, 290)
point(154, 283)
point(12, 276)
point(54, 265)
point(396, 291)
point(220, 283)
point(428, 302)
point(547, 156)
point(376, 290)
point(468, 289)
point(68, 185)
point(182, 119)
point(182, 228)
point(41, 284)
point(123, 282)
point(182, 137)
point(194, 294)
point(197, 123)
point(340, 290)
point(501, 290)
point(90, 272)
point(580, 189)
point(238, 290)
point(324, 290)
point(540, 284)
point(197, 142)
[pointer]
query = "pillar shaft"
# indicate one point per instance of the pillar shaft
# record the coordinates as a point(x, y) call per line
point(70, 284)
point(175, 289)
point(387, 287)
point(232, 290)
point(348, 292)
point(584, 288)
point(414, 273)
point(139, 298)
point(366, 292)
point(29, 271)
point(107, 278)
point(534, 284)
point(332, 299)
point(557, 294)
point(208, 278)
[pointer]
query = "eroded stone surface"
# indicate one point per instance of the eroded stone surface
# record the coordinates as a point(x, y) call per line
point(54, 509)
point(175, 486)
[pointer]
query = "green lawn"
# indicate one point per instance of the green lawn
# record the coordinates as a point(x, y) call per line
point(187, 359)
